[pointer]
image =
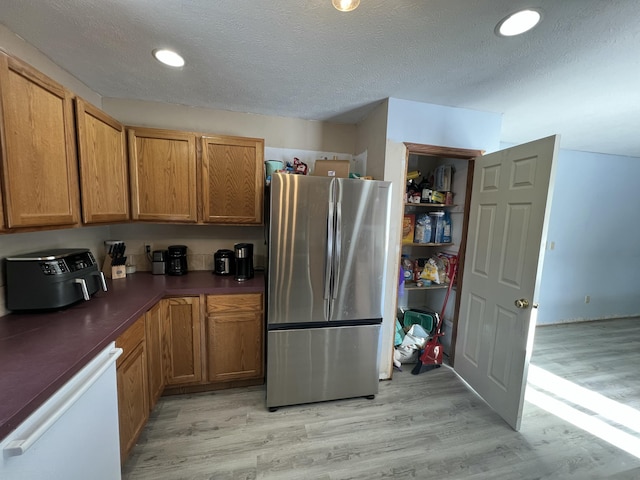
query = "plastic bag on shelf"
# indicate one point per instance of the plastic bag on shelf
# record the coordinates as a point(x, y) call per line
point(423, 228)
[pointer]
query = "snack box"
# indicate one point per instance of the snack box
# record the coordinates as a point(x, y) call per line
point(408, 227)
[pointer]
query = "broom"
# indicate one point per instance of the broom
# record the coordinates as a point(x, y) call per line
point(431, 357)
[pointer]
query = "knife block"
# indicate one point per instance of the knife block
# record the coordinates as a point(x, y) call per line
point(118, 271)
point(106, 267)
point(113, 271)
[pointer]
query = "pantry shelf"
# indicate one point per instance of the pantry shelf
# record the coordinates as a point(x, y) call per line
point(431, 205)
point(426, 244)
point(413, 286)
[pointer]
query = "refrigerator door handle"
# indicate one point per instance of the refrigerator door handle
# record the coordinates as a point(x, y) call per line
point(338, 251)
point(329, 259)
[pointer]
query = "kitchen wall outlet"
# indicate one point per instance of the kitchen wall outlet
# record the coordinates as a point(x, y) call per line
point(147, 248)
point(587, 298)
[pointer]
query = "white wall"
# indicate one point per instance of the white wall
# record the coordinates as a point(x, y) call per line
point(371, 140)
point(395, 166)
point(444, 126)
point(278, 132)
point(16, 46)
point(595, 233)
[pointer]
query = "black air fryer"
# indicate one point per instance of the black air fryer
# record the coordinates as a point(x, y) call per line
point(244, 261)
point(51, 279)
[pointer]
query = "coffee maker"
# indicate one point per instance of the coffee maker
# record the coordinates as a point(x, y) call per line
point(244, 261)
point(177, 264)
point(224, 262)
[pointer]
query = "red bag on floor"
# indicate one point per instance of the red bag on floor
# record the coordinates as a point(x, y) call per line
point(431, 357)
point(432, 354)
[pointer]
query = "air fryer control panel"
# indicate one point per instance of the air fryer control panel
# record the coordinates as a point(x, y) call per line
point(72, 263)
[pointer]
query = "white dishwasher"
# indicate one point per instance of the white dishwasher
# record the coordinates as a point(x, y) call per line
point(74, 434)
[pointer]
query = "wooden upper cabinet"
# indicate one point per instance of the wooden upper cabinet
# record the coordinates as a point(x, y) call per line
point(37, 141)
point(162, 168)
point(232, 179)
point(104, 176)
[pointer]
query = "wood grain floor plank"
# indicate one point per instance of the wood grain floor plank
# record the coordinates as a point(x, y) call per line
point(427, 426)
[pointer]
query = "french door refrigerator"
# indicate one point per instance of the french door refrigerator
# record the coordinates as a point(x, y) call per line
point(328, 240)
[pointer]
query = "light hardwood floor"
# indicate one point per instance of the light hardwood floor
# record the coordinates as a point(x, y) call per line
point(427, 426)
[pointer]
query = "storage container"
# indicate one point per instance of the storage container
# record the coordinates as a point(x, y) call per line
point(424, 319)
point(442, 178)
point(437, 226)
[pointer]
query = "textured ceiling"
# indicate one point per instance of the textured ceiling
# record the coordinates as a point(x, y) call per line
point(577, 73)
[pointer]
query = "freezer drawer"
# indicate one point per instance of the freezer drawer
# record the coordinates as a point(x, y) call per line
point(317, 364)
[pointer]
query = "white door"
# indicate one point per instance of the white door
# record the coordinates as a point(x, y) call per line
point(505, 246)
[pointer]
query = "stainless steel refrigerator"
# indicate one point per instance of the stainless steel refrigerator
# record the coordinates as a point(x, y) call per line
point(328, 240)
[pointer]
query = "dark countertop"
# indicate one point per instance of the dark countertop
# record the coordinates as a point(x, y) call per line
point(40, 352)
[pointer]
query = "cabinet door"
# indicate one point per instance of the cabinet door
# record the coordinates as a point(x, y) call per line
point(235, 337)
point(40, 174)
point(234, 343)
point(232, 179)
point(104, 177)
point(133, 409)
point(162, 167)
point(182, 341)
point(133, 393)
point(155, 371)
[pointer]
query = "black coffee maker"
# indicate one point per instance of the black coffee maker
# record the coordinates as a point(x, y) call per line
point(177, 264)
point(244, 261)
point(224, 262)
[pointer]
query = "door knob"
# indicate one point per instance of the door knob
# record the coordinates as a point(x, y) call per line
point(522, 303)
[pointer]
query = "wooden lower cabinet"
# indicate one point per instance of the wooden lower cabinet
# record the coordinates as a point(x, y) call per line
point(165, 352)
point(133, 396)
point(235, 326)
point(154, 336)
point(182, 341)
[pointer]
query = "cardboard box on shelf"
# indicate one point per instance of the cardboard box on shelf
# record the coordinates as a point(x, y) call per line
point(331, 168)
point(408, 227)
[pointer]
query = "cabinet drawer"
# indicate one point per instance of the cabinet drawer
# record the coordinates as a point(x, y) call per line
point(241, 302)
point(130, 339)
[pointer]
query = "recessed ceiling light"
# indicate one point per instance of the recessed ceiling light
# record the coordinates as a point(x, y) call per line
point(518, 23)
point(346, 5)
point(168, 57)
